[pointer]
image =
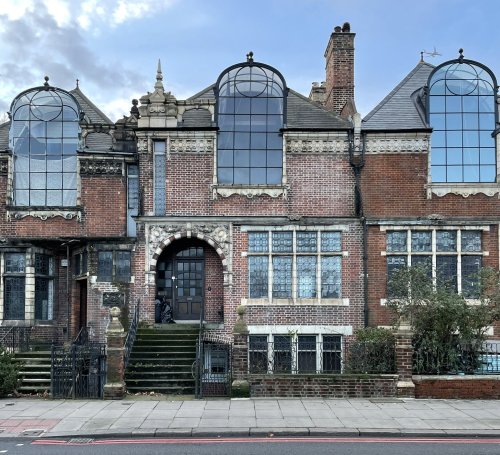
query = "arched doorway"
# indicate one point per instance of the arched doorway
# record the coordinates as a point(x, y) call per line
point(180, 282)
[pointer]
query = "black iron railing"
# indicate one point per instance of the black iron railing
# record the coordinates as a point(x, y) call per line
point(16, 339)
point(307, 355)
point(457, 359)
point(132, 332)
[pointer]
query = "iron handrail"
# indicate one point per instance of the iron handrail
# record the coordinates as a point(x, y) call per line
point(132, 332)
point(16, 339)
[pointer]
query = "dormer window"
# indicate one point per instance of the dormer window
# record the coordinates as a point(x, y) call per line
point(251, 107)
point(44, 138)
point(462, 114)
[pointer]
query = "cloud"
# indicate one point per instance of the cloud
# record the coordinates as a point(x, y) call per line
point(54, 45)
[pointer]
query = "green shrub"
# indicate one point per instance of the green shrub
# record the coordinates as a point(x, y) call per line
point(9, 370)
point(371, 352)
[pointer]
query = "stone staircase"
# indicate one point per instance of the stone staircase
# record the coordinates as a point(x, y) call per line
point(34, 375)
point(161, 360)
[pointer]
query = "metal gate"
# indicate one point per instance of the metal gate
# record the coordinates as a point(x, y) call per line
point(213, 369)
point(78, 372)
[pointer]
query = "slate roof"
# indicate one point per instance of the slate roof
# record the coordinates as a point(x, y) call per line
point(4, 136)
point(302, 113)
point(94, 114)
point(397, 111)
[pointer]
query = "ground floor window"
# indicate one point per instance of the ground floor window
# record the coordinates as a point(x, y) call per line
point(14, 279)
point(295, 265)
point(452, 257)
point(295, 354)
point(114, 266)
point(44, 287)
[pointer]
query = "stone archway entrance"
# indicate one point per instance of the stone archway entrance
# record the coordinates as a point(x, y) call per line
point(180, 282)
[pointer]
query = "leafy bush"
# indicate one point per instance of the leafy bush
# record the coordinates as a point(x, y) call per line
point(448, 331)
point(9, 370)
point(371, 352)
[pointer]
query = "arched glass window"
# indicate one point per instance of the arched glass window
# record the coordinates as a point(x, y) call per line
point(251, 106)
point(462, 113)
point(44, 138)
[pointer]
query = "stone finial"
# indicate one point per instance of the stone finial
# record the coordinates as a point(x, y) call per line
point(159, 77)
point(115, 325)
point(240, 327)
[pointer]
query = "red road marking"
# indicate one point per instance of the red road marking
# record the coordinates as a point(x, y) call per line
point(360, 439)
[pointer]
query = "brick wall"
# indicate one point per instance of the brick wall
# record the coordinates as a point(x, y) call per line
point(318, 386)
point(457, 387)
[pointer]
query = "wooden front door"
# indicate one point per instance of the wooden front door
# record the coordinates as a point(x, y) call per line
point(188, 295)
point(180, 284)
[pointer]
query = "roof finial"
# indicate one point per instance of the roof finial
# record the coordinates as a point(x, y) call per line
point(461, 56)
point(159, 77)
point(250, 57)
point(77, 83)
point(46, 83)
point(134, 110)
point(421, 56)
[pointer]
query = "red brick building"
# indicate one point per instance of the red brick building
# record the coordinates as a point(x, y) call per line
point(247, 193)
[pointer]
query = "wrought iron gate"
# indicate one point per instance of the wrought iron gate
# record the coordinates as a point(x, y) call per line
point(78, 372)
point(213, 369)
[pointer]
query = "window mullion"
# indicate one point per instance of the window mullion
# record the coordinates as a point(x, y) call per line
point(434, 262)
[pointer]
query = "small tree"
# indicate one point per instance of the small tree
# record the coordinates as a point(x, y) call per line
point(448, 331)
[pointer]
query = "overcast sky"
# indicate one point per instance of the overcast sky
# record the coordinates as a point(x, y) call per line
point(112, 46)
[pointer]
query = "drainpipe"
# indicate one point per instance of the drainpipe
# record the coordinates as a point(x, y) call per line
point(357, 162)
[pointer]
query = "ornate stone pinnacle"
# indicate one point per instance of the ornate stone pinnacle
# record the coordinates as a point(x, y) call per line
point(159, 77)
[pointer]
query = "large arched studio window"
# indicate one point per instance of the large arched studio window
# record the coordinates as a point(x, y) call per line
point(251, 105)
point(462, 114)
point(44, 138)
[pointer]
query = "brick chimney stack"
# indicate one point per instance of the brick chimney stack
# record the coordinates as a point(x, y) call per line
point(339, 57)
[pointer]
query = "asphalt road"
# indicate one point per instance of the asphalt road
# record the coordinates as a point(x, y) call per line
point(253, 446)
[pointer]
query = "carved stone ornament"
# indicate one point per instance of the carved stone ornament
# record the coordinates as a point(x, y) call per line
point(217, 235)
point(464, 191)
point(397, 145)
point(249, 192)
point(4, 167)
point(316, 146)
point(45, 214)
point(157, 109)
point(198, 145)
point(100, 167)
point(113, 299)
point(142, 144)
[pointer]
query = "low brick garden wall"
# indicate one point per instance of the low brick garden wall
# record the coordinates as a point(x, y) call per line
point(459, 387)
point(323, 386)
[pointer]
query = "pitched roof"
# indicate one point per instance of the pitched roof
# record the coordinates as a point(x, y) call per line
point(301, 112)
point(4, 135)
point(91, 110)
point(397, 111)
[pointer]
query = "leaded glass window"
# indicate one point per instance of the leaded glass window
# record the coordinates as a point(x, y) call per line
point(44, 137)
point(294, 264)
point(251, 100)
point(451, 257)
point(282, 359)
point(306, 354)
point(282, 277)
point(331, 277)
point(160, 192)
point(258, 276)
point(258, 242)
point(306, 277)
point(462, 113)
point(114, 266)
point(14, 281)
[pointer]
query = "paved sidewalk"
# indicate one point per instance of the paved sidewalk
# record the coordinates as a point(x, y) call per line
point(249, 417)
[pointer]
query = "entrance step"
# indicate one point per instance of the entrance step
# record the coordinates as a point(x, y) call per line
point(161, 360)
point(35, 372)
